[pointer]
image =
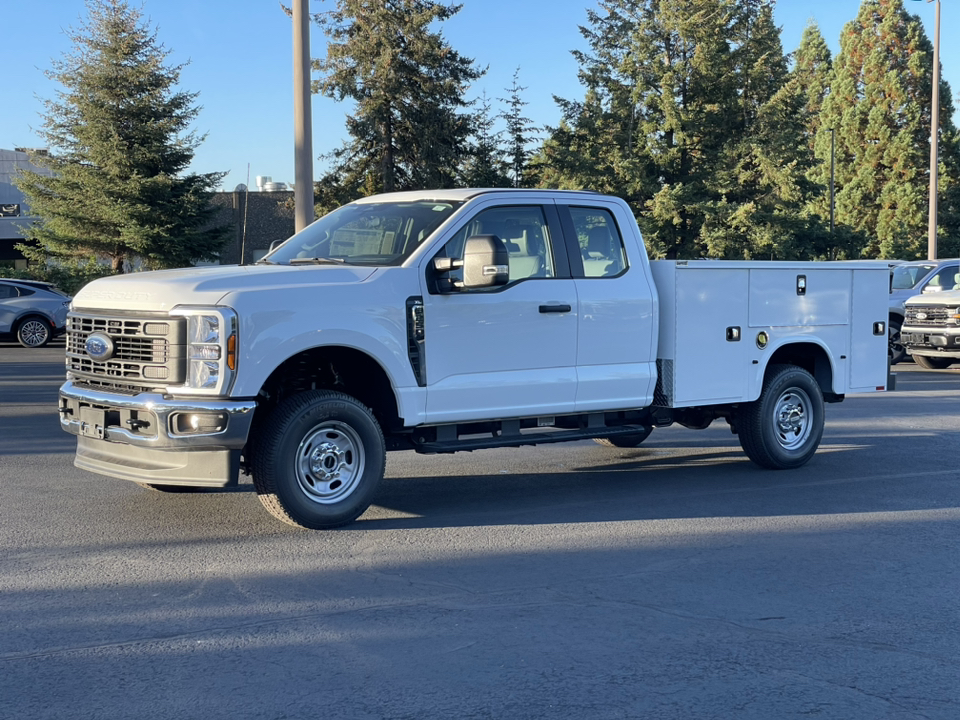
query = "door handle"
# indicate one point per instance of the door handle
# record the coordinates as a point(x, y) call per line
point(555, 308)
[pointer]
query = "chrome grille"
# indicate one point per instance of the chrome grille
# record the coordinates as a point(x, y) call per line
point(147, 352)
point(929, 315)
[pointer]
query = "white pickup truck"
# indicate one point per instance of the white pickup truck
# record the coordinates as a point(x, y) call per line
point(452, 320)
point(931, 325)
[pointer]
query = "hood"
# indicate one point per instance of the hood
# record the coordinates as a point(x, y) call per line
point(163, 290)
point(944, 297)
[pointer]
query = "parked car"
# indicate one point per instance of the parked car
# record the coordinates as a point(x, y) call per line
point(913, 278)
point(32, 311)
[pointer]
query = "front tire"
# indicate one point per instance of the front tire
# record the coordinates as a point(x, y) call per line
point(933, 363)
point(34, 332)
point(319, 460)
point(783, 427)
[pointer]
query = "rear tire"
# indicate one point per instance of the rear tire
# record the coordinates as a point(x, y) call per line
point(625, 441)
point(319, 460)
point(897, 351)
point(783, 427)
point(34, 332)
point(933, 363)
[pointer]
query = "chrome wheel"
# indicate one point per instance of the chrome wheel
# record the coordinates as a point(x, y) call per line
point(33, 333)
point(330, 462)
point(791, 418)
point(782, 428)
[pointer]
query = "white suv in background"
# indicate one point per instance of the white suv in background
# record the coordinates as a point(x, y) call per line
point(913, 278)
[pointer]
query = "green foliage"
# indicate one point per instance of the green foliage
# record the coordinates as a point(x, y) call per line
point(69, 276)
point(879, 103)
point(407, 131)
point(688, 116)
point(520, 132)
point(485, 166)
point(118, 153)
point(812, 67)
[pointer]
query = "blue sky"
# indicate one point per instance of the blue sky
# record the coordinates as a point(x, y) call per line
point(241, 64)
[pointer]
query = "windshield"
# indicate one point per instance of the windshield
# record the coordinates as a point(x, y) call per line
point(907, 276)
point(365, 234)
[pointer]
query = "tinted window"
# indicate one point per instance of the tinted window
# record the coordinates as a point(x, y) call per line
point(7, 291)
point(366, 233)
point(945, 279)
point(601, 246)
point(522, 229)
point(907, 276)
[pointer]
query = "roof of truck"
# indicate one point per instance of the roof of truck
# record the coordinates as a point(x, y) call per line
point(464, 194)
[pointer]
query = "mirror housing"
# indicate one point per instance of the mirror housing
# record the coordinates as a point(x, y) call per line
point(485, 262)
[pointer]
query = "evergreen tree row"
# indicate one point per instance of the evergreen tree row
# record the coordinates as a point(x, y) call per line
point(723, 144)
point(692, 112)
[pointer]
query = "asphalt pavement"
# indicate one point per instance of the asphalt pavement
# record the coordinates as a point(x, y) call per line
point(570, 581)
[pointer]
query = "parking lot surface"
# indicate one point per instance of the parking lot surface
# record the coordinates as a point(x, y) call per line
point(675, 581)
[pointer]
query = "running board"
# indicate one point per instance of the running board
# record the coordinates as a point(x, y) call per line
point(518, 439)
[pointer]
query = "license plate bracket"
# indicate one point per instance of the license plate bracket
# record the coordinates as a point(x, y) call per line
point(92, 422)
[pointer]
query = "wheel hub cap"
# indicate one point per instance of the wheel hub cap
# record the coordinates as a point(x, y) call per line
point(792, 422)
point(330, 462)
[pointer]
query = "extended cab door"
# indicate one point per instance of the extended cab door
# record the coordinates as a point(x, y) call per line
point(507, 351)
point(617, 336)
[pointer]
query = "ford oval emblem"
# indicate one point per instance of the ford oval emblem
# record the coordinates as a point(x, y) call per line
point(99, 347)
point(921, 316)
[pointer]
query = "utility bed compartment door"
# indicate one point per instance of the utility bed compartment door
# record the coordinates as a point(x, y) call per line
point(869, 361)
point(799, 297)
point(698, 363)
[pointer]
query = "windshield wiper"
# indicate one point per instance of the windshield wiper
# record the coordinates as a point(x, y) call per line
point(264, 261)
point(318, 261)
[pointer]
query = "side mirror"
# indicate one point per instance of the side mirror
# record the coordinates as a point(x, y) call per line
point(485, 262)
point(931, 289)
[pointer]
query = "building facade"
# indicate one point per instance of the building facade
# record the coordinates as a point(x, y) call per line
point(14, 211)
point(256, 219)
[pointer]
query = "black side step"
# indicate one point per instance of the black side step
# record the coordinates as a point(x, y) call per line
point(519, 439)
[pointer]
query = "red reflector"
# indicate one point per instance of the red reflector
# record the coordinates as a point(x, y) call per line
point(881, 387)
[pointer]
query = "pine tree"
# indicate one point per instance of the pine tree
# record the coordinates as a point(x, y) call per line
point(520, 132)
point(879, 103)
point(688, 115)
point(407, 130)
point(118, 150)
point(812, 67)
point(762, 177)
point(485, 166)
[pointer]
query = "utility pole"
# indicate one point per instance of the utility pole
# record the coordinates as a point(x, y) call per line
point(302, 121)
point(934, 143)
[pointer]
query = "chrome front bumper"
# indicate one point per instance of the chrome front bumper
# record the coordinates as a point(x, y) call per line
point(147, 438)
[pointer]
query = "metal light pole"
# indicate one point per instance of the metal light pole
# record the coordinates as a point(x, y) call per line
point(934, 140)
point(302, 122)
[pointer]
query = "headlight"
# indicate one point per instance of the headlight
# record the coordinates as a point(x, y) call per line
point(211, 345)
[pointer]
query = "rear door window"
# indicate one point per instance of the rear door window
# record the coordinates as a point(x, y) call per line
point(600, 242)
